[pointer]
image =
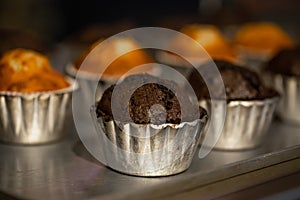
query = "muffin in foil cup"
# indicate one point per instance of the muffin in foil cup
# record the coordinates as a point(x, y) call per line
point(288, 108)
point(34, 118)
point(246, 122)
point(149, 150)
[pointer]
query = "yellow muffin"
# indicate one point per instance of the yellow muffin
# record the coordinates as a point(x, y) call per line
point(262, 38)
point(211, 39)
point(28, 71)
point(96, 59)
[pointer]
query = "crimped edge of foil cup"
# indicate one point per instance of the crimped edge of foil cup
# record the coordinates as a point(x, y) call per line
point(163, 150)
point(73, 85)
point(288, 108)
point(246, 122)
point(34, 118)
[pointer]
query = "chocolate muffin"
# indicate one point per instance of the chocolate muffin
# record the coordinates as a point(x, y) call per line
point(241, 112)
point(240, 83)
point(157, 102)
point(283, 72)
point(150, 128)
point(286, 62)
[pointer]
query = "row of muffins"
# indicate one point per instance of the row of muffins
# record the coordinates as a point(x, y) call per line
point(269, 112)
point(152, 118)
point(250, 107)
point(251, 45)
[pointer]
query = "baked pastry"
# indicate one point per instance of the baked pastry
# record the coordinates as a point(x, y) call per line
point(108, 63)
point(208, 42)
point(285, 62)
point(28, 71)
point(240, 83)
point(98, 61)
point(257, 42)
point(263, 37)
point(149, 116)
point(283, 72)
point(244, 103)
point(211, 39)
point(34, 98)
point(156, 92)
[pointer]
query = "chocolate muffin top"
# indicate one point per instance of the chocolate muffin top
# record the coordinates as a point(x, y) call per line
point(286, 62)
point(144, 99)
point(240, 83)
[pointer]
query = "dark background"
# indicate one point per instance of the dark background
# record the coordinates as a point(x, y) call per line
point(56, 20)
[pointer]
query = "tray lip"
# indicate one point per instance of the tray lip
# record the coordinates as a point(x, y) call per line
point(191, 181)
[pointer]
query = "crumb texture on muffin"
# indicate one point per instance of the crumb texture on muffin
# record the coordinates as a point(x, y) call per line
point(157, 101)
point(28, 71)
point(240, 83)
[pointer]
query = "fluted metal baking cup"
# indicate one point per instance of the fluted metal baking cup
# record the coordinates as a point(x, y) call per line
point(161, 150)
point(246, 122)
point(288, 108)
point(34, 118)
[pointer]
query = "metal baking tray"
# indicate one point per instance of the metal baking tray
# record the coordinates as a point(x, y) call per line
point(65, 170)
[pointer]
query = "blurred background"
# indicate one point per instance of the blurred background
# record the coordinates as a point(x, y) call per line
point(53, 21)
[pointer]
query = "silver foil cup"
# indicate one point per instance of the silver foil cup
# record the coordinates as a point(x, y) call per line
point(34, 118)
point(246, 122)
point(149, 150)
point(288, 108)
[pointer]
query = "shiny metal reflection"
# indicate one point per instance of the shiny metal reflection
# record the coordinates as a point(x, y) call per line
point(289, 105)
point(168, 149)
point(34, 118)
point(246, 122)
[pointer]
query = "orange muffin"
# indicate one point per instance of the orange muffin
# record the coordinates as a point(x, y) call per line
point(97, 61)
point(197, 43)
point(211, 39)
point(26, 71)
point(262, 38)
point(34, 98)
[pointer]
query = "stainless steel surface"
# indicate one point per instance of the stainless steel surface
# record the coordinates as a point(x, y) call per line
point(289, 88)
point(149, 150)
point(34, 118)
point(246, 122)
point(66, 170)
